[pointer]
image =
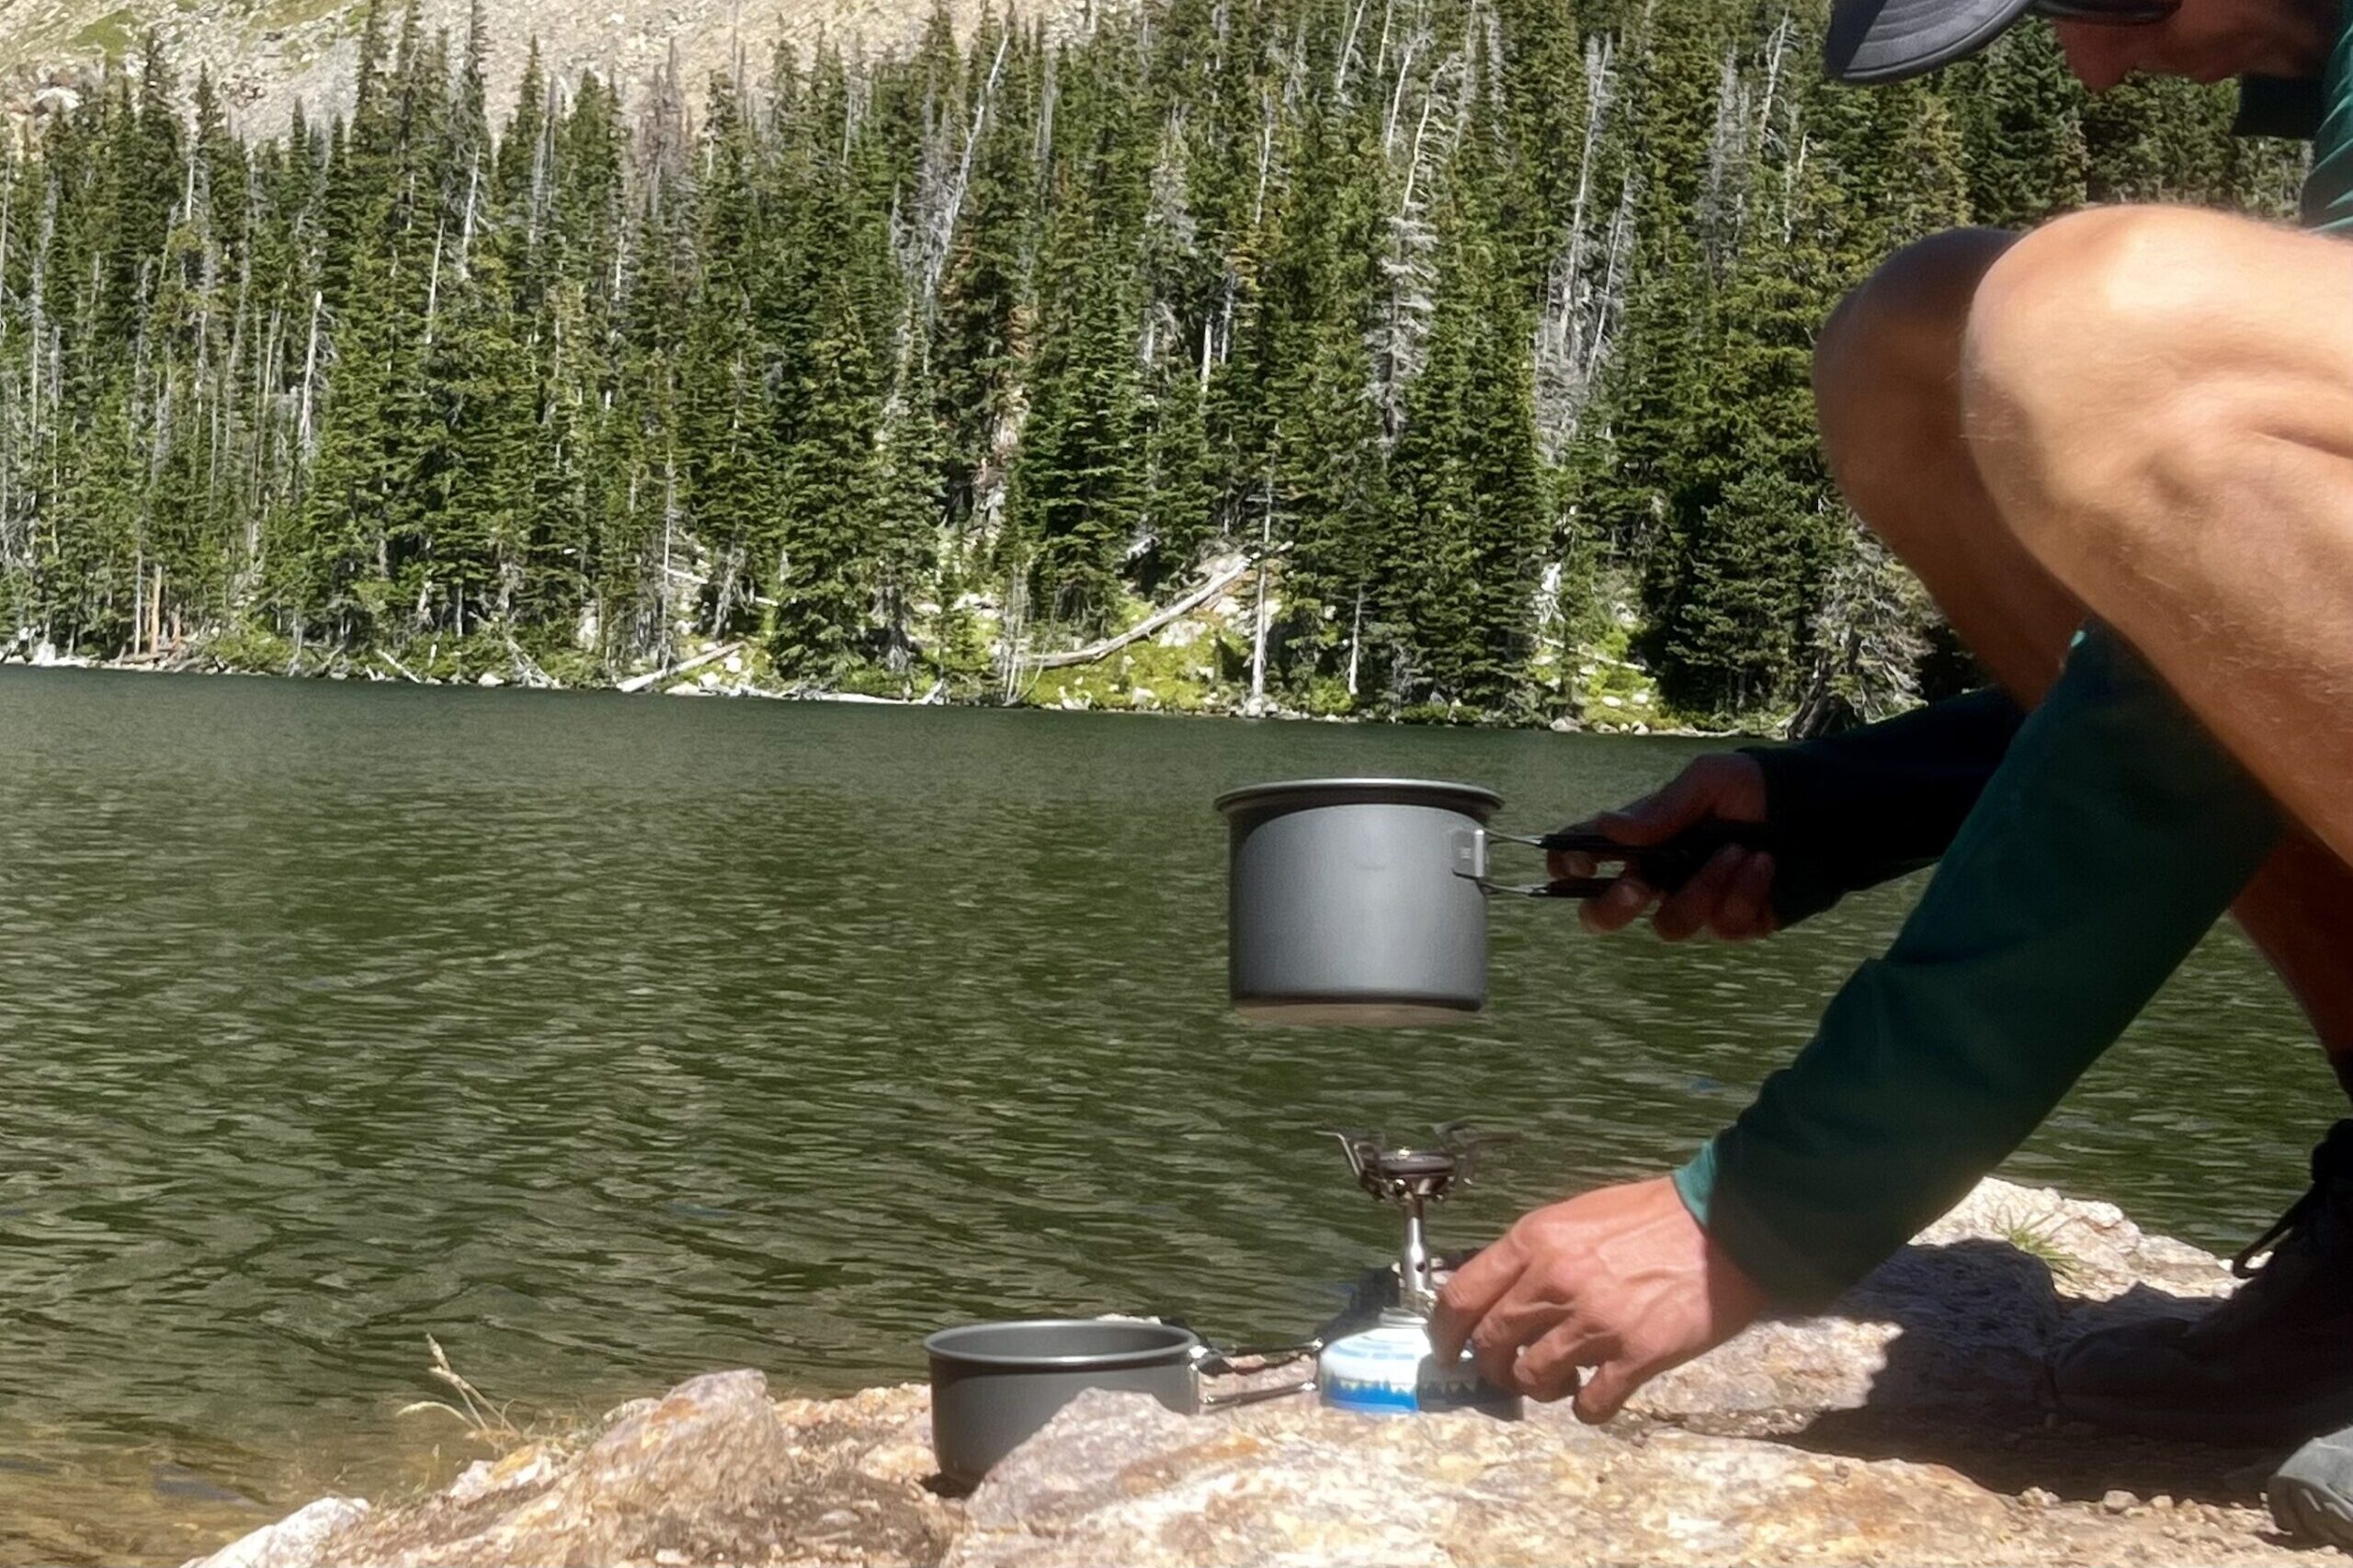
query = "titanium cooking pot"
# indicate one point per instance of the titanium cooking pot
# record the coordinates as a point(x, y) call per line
point(1363, 901)
point(992, 1384)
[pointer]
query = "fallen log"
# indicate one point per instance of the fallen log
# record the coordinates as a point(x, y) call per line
point(1147, 626)
point(639, 682)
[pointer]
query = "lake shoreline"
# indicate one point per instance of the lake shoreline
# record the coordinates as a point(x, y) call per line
point(680, 680)
point(1907, 1423)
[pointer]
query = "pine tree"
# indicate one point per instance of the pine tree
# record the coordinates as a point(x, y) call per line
point(2022, 119)
point(910, 514)
point(728, 449)
point(1079, 491)
point(832, 484)
point(985, 307)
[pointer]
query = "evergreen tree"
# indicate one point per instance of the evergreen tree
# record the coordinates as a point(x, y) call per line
point(834, 484)
point(1485, 323)
point(2021, 117)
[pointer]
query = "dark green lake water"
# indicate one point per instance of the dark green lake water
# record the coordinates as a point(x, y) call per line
point(611, 1040)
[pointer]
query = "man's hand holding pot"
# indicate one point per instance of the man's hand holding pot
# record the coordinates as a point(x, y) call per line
point(1730, 898)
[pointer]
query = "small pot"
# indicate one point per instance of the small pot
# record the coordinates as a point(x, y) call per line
point(992, 1384)
point(1364, 901)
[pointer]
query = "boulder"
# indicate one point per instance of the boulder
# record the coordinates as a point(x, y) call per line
point(1116, 1478)
point(294, 1540)
point(714, 1473)
point(1911, 1422)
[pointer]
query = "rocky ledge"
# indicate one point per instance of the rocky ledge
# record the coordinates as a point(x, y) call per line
point(1909, 1425)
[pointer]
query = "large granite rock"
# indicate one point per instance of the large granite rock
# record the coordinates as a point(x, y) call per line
point(1911, 1424)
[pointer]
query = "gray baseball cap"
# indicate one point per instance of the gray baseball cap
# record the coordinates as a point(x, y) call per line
point(1886, 40)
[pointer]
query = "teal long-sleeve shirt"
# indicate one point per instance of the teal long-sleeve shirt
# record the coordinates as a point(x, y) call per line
point(2110, 834)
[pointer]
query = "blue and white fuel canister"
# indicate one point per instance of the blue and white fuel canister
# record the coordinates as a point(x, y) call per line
point(1389, 1370)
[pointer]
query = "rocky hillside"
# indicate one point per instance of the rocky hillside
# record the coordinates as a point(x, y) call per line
point(268, 53)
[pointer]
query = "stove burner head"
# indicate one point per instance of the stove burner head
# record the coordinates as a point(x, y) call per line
point(1414, 1177)
point(1411, 1178)
point(1396, 1175)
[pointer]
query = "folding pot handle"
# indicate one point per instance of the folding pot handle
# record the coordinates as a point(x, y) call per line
point(1208, 1361)
point(1211, 1360)
point(1664, 867)
point(1257, 1396)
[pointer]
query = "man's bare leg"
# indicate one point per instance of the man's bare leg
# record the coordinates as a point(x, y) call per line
point(1889, 386)
point(2160, 402)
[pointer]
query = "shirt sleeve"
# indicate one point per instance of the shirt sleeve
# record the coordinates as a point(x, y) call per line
point(1866, 805)
point(2114, 832)
point(2287, 107)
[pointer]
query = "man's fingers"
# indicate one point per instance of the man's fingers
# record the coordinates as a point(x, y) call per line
point(1514, 1321)
point(1617, 908)
point(1605, 1393)
point(1465, 1301)
point(1686, 798)
point(1746, 910)
point(1692, 796)
point(1563, 864)
point(1548, 1370)
point(1697, 903)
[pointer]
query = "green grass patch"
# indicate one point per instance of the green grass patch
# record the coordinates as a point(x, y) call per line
point(298, 13)
point(874, 680)
point(251, 648)
point(111, 35)
point(2039, 1240)
point(1609, 689)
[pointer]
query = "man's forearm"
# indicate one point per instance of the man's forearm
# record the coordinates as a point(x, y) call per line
point(1863, 806)
point(2112, 835)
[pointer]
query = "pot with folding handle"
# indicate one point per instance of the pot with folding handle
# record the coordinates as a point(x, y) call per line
point(1364, 901)
point(992, 1384)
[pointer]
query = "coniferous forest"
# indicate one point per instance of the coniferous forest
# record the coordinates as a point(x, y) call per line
point(1482, 325)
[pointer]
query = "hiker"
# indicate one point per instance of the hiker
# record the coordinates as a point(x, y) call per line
point(2118, 451)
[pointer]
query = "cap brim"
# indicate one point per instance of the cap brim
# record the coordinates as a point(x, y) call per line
point(1886, 40)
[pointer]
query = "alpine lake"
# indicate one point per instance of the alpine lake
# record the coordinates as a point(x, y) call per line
point(609, 1039)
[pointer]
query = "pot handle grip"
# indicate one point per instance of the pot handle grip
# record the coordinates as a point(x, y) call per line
point(1213, 1360)
point(1257, 1396)
point(1665, 867)
point(1210, 1361)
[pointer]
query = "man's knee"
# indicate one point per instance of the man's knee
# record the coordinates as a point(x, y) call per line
point(2086, 382)
point(1913, 305)
point(1886, 363)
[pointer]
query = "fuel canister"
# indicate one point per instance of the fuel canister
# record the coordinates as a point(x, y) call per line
point(1389, 1370)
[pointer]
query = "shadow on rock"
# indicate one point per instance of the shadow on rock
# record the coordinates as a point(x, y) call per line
point(1943, 1357)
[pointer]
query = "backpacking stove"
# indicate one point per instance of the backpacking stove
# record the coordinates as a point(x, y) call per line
point(1388, 1369)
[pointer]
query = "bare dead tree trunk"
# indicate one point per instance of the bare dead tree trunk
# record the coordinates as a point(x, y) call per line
point(1258, 616)
point(1562, 390)
point(1355, 642)
point(466, 226)
point(433, 282)
point(936, 252)
point(310, 377)
point(1607, 311)
point(1347, 50)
